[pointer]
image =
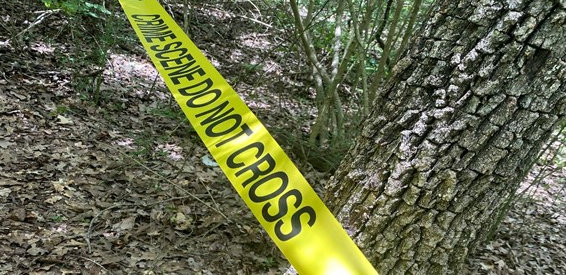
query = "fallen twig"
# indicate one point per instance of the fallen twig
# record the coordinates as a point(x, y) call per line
point(174, 184)
point(38, 20)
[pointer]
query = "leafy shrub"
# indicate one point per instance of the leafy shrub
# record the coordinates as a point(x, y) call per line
point(74, 7)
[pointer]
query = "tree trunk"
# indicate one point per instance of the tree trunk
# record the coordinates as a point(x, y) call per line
point(453, 132)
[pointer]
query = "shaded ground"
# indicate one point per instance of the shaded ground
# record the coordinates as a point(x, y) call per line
point(125, 186)
point(532, 238)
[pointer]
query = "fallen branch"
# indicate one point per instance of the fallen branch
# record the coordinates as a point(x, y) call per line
point(38, 20)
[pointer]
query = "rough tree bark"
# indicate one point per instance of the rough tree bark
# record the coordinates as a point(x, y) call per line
point(453, 133)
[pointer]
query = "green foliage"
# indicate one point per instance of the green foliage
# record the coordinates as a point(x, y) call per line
point(75, 7)
point(145, 145)
point(168, 111)
point(252, 68)
point(57, 218)
point(60, 109)
point(268, 262)
point(89, 24)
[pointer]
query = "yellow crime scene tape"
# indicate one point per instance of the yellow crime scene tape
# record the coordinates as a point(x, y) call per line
point(281, 199)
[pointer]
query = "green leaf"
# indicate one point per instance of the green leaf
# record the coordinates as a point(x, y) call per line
point(97, 7)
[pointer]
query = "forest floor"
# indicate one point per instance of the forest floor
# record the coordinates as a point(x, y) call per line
point(117, 182)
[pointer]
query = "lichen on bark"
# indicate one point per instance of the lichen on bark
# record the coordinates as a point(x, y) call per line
point(453, 132)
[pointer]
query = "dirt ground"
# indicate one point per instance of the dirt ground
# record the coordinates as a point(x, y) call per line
point(117, 182)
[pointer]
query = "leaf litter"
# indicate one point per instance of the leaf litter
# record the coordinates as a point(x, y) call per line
point(121, 188)
point(128, 188)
